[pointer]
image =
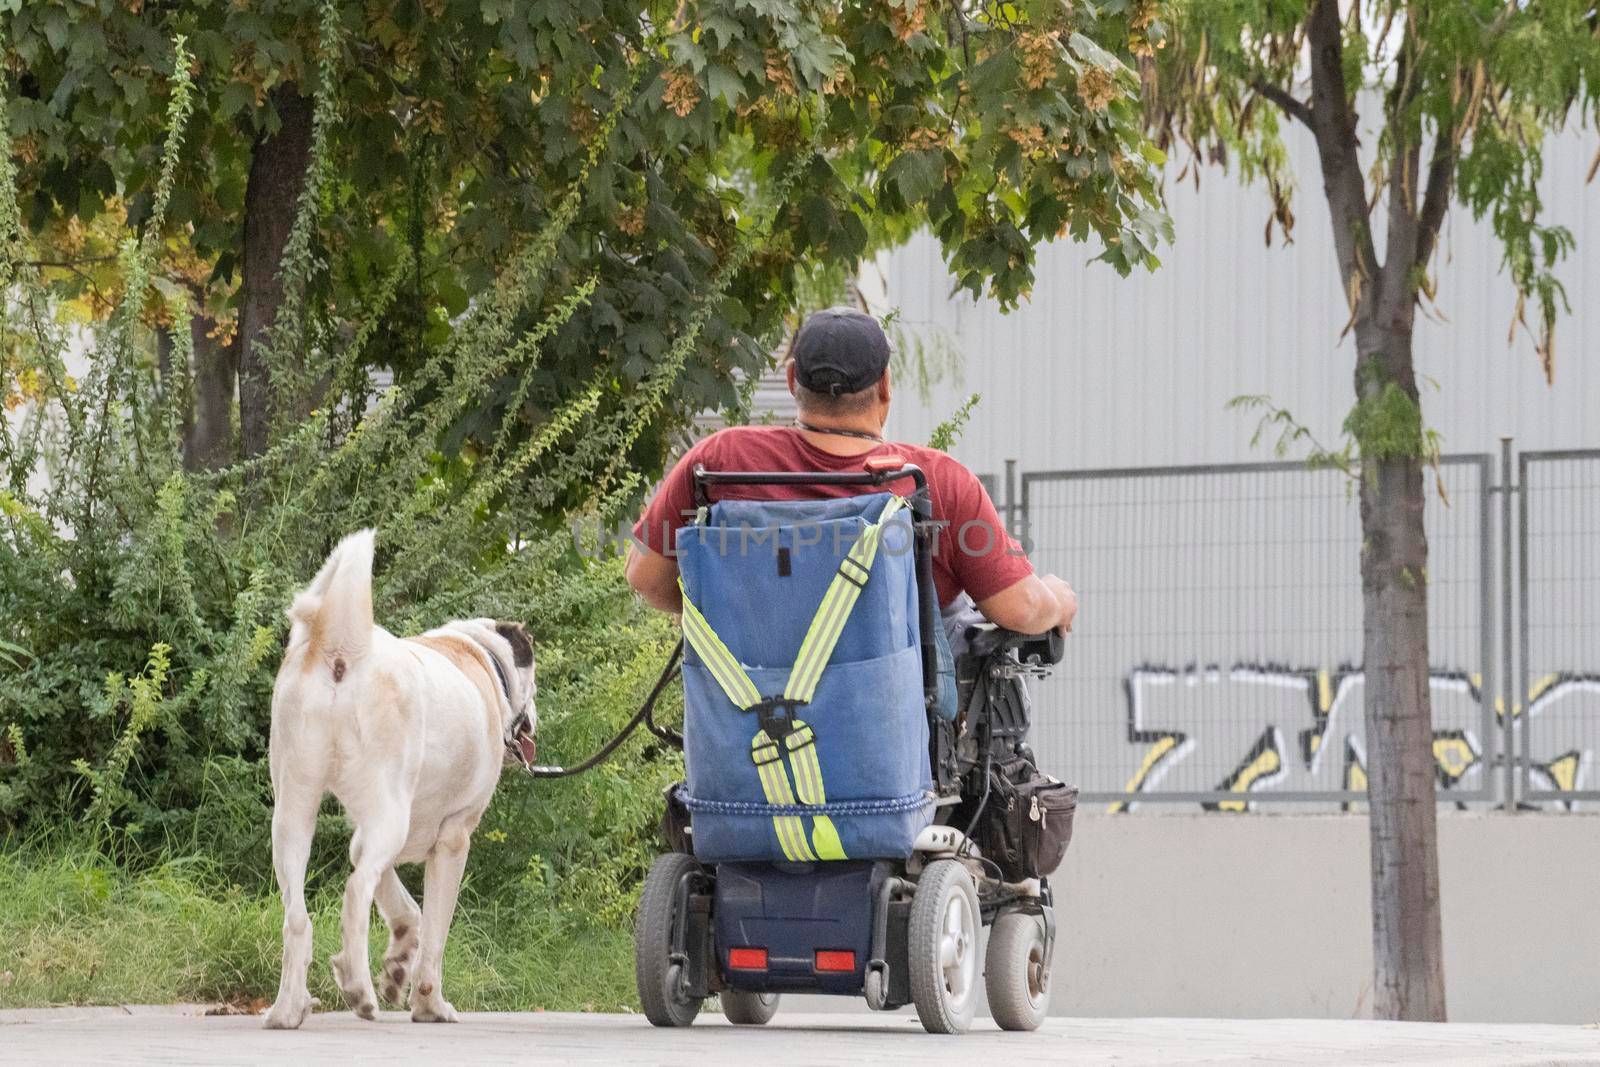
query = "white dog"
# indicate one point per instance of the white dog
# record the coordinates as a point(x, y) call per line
point(411, 736)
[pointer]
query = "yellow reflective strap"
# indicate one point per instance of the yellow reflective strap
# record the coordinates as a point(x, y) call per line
point(796, 849)
point(818, 649)
point(716, 656)
point(825, 836)
point(837, 603)
point(830, 618)
point(802, 749)
point(791, 831)
point(769, 768)
point(718, 659)
point(774, 784)
point(712, 652)
point(803, 758)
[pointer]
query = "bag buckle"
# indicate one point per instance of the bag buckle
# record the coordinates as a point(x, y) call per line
point(866, 572)
point(799, 738)
point(766, 752)
point(775, 714)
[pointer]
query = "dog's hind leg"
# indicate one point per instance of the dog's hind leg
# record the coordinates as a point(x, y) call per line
point(294, 821)
point(377, 841)
point(404, 919)
point(440, 884)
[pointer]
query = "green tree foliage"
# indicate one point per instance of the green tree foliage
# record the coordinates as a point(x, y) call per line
point(1475, 83)
point(1462, 93)
point(113, 555)
point(562, 226)
point(460, 122)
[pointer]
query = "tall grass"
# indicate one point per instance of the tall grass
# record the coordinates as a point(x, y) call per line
point(76, 929)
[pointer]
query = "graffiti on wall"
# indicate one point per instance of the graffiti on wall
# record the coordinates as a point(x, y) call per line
point(1253, 728)
point(1563, 724)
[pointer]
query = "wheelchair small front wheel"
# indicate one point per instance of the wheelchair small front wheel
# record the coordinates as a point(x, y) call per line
point(749, 1009)
point(1016, 971)
point(943, 943)
point(660, 978)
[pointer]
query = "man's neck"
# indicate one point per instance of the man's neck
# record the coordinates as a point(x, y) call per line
point(839, 437)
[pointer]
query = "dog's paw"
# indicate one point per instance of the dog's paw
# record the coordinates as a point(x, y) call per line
point(397, 963)
point(357, 994)
point(287, 1013)
point(396, 975)
point(429, 1006)
point(440, 1012)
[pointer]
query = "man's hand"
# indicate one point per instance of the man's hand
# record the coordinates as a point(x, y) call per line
point(1066, 601)
point(1033, 605)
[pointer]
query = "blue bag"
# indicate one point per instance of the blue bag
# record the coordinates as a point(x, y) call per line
point(852, 779)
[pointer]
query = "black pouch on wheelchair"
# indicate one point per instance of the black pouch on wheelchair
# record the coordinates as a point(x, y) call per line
point(1027, 824)
point(675, 820)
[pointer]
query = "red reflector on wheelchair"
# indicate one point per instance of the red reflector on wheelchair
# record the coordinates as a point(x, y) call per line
point(747, 959)
point(831, 960)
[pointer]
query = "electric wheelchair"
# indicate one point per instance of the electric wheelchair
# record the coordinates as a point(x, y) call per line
point(857, 804)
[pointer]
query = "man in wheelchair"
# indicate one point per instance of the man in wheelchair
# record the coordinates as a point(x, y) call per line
point(839, 374)
point(861, 803)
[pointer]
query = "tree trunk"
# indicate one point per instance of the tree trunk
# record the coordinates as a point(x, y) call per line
point(1408, 964)
point(277, 175)
point(207, 440)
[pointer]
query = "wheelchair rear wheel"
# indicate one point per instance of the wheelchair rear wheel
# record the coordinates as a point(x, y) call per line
point(749, 1009)
point(943, 943)
point(662, 983)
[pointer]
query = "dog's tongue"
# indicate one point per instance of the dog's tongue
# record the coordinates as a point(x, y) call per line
point(528, 747)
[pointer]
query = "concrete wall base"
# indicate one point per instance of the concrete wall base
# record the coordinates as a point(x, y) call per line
point(1256, 916)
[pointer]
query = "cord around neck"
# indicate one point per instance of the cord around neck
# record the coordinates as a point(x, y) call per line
point(837, 432)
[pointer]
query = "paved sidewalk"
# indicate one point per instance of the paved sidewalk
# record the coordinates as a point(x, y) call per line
point(103, 1036)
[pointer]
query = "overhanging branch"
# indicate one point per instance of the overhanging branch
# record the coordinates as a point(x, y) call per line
point(1405, 147)
point(1335, 128)
point(1290, 104)
point(1436, 197)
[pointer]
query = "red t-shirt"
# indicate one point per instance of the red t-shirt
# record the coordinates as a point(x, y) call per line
point(973, 552)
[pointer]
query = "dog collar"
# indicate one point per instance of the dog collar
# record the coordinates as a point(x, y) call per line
point(500, 673)
point(519, 738)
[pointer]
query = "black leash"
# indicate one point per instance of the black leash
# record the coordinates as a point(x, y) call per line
point(645, 714)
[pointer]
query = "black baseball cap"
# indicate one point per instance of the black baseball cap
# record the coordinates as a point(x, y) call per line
point(838, 351)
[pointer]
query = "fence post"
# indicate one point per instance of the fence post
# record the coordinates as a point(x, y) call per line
point(1490, 686)
point(1011, 497)
point(1508, 693)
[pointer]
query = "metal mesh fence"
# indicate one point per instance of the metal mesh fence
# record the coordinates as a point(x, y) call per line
point(1217, 655)
point(1557, 711)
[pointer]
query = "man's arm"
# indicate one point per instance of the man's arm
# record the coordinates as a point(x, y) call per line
point(997, 574)
point(650, 568)
point(1033, 605)
point(655, 578)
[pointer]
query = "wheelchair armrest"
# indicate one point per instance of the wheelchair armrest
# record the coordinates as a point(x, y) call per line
point(1047, 648)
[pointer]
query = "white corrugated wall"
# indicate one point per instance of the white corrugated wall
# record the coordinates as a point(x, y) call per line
point(1097, 370)
point(1216, 607)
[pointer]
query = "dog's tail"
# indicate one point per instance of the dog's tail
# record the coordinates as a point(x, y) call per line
point(336, 608)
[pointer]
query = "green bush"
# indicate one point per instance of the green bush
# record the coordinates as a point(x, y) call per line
point(141, 621)
point(577, 845)
point(181, 905)
point(141, 604)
